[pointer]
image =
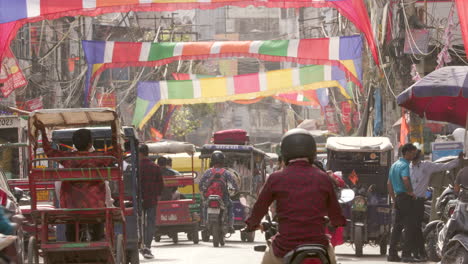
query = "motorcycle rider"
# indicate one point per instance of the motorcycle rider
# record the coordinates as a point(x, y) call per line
point(217, 162)
point(304, 195)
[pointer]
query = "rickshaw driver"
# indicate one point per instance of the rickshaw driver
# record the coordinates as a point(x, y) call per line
point(304, 195)
point(81, 194)
point(217, 161)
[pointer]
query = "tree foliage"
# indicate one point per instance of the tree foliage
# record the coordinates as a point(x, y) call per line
point(189, 118)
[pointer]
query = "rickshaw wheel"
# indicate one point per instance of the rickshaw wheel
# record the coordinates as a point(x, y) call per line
point(120, 250)
point(157, 238)
point(205, 236)
point(133, 256)
point(33, 258)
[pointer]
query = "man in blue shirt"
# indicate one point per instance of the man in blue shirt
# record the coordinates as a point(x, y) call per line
point(401, 193)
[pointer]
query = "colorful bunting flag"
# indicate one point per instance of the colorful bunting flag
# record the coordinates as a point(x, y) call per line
point(219, 89)
point(343, 52)
point(14, 14)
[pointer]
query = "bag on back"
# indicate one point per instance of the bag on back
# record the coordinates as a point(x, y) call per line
point(216, 183)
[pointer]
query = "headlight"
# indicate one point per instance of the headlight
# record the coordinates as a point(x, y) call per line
point(359, 203)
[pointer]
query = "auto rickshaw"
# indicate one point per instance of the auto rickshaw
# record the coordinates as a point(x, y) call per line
point(174, 216)
point(182, 162)
point(248, 165)
point(110, 249)
point(364, 163)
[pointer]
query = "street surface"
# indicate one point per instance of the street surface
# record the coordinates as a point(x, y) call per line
point(237, 252)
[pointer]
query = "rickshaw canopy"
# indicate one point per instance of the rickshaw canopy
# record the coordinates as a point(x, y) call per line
point(359, 144)
point(74, 117)
point(171, 147)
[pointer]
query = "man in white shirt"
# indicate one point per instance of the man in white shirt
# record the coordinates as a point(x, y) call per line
point(420, 174)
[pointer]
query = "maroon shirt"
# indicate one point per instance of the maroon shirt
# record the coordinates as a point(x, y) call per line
point(151, 181)
point(303, 195)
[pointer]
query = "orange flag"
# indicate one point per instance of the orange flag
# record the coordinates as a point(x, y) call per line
point(353, 177)
point(404, 130)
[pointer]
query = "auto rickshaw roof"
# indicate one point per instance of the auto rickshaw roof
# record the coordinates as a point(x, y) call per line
point(359, 144)
point(171, 147)
point(209, 148)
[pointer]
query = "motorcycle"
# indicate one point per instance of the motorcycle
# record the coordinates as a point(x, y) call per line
point(305, 252)
point(453, 239)
point(216, 219)
point(445, 207)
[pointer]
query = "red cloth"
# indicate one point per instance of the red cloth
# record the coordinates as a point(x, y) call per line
point(304, 195)
point(336, 236)
point(80, 194)
point(151, 181)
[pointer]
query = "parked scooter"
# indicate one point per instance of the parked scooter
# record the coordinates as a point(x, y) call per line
point(453, 239)
point(445, 206)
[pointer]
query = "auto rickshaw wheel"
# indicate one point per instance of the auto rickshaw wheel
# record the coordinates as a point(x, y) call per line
point(120, 250)
point(205, 236)
point(33, 257)
point(194, 234)
point(175, 238)
point(243, 236)
point(133, 256)
point(157, 238)
point(358, 240)
point(383, 245)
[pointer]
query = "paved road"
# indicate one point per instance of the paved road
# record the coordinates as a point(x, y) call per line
point(237, 252)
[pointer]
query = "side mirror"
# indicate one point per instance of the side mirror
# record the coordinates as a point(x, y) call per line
point(346, 195)
point(18, 193)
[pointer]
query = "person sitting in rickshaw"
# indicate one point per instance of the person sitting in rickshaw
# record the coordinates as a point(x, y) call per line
point(166, 170)
point(81, 194)
point(207, 181)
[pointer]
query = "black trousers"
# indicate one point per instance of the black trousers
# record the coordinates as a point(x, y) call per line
point(419, 239)
point(405, 218)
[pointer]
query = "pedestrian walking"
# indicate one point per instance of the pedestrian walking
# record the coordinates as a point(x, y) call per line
point(420, 174)
point(402, 195)
point(152, 187)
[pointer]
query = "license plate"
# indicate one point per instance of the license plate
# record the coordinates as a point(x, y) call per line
point(383, 210)
point(42, 195)
point(214, 210)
